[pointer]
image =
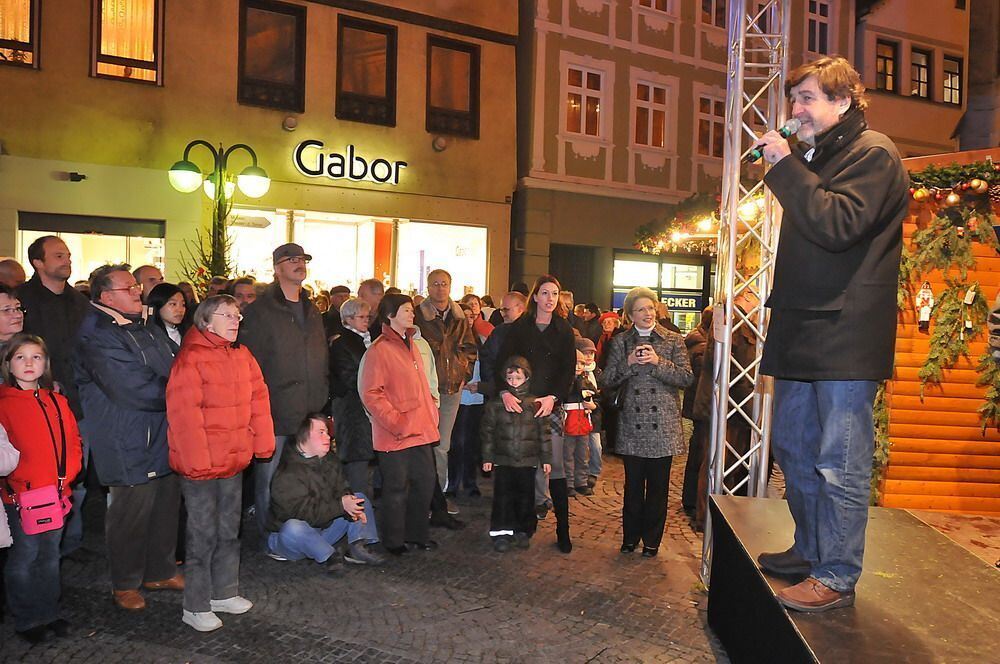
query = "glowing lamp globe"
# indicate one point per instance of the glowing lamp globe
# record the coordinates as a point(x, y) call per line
point(209, 187)
point(253, 181)
point(184, 176)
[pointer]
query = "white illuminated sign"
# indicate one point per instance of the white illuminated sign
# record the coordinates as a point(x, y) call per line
point(317, 163)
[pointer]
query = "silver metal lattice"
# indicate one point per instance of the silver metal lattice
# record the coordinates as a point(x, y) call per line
point(755, 102)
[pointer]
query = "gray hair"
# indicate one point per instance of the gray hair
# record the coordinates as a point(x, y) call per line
point(203, 314)
point(373, 285)
point(100, 279)
point(633, 295)
point(352, 307)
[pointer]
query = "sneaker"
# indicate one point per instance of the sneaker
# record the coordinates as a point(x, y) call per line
point(627, 548)
point(452, 508)
point(335, 565)
point(273, 556)
point(541, 510)
point(649, 552)
point(235, 605)
point(812, 596)
point(785, 563)
point(501, 544)
point(358, 554)
point(522, 540)
point(203, 621)
point(584, 490)
point(592, 481)
point(570, 492)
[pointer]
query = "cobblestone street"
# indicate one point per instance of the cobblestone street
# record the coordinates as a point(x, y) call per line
point(462, 603)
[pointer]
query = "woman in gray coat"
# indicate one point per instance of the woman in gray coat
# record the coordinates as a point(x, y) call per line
point(650, 365)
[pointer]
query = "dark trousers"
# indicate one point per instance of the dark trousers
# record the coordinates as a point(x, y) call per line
point(140, 529)
point(644, 513)
point(358, 477)
point(463, 457)
point(408, 478)
point(697, 448)
point(31, 575)
point(212, 567)
point(513, 501)
point(263, 471)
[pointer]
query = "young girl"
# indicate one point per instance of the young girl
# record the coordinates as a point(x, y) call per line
point(42, 428)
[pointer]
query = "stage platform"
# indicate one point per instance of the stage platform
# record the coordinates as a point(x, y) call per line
point(922, 598)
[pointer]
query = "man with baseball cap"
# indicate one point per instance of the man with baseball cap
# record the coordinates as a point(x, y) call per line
point(292, 353)
point(331, 319)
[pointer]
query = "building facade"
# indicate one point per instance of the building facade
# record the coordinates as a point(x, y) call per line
point(980, 126)
point(387, 130)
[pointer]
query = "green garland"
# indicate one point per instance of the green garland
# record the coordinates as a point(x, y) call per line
point(653, 236)
point(950, 337)
point(989, 377)
point(880, 458)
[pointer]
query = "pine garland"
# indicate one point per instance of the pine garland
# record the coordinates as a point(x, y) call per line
point(880, 458)
point(950, 338)
point(989, 377)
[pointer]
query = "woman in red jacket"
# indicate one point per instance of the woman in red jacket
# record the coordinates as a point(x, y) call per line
point(42, 428)
point(395, 392)
point(219, 418)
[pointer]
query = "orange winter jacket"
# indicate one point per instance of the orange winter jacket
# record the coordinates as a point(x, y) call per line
point(218, 410)
point(395, 392)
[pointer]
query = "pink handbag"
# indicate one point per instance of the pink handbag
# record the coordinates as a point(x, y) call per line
point(42, 509)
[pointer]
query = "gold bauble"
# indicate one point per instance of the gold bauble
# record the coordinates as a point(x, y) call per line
point(952, 199)
point(921, 195)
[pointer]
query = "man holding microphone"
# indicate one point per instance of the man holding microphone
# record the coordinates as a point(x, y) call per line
point(832, 330)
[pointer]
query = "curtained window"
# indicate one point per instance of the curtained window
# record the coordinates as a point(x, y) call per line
point(366, 71)
point(452, 87)
point(19, 32)
point(272, 67)
point(128, 40)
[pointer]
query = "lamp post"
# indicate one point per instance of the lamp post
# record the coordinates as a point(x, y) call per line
point(219, 186)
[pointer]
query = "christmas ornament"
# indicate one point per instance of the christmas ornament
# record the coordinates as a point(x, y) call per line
point(995, 194)
point(924, 302)
point(921, 195)
point(952, 199)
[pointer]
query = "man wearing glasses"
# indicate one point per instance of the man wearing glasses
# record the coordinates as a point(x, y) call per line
point(122, 365)
point(284, 331)
point(54, 311)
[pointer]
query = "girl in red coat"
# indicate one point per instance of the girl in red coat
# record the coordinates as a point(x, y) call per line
point(42, 428)
point(219, 419)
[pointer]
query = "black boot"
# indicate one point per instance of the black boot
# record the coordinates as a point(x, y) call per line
point(560, 505)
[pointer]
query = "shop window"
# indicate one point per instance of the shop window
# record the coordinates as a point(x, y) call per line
point(584, 99)
point(886, 57)
point(452, 87)
point(19, 33)
point(711, 126)
point(713, 12)
point(952, 80)
point(128, 40)
point(920, 74)
point(818, 27)
point(650, 114)
point(366, 71)
point(272, 58)
point(422, 247)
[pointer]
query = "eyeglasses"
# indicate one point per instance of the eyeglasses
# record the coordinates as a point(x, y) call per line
point(294, 260)
point(133, 287)
point(236, 317)
point(12, 311)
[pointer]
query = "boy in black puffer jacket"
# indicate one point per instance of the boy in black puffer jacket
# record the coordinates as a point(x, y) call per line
point(513, 446)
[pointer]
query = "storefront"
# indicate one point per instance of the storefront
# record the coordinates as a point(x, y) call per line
point(683, 282)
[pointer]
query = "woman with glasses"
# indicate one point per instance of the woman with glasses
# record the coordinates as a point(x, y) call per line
point(219, 418)
point(11, 317)
point(650, 363)
point(168, 309)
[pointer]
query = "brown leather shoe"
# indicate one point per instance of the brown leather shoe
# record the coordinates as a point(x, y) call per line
point(174, 583)
point(130, 600)
point(812, 596)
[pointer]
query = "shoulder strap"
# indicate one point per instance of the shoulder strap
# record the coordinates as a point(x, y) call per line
point(60, 458)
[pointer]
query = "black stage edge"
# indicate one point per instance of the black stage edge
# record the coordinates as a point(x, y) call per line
point(922, 598)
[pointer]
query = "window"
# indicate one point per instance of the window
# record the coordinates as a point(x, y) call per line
point(885, 65)
point(818, 27)
point(711, 126)
point(952, 80)
point(583, 101)
point(19, 32)
point(272, 60)
point(713, 12)
point(452, 87)
point(920, 76)
point(128, 40)
point(366, 71)
point(658, 5)
point(650, 114)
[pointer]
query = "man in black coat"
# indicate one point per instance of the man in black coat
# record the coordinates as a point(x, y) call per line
point(833, 322)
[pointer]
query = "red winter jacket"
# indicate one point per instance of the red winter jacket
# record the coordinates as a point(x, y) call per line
point(23, 415)
point(218, 410)
point(395, 392)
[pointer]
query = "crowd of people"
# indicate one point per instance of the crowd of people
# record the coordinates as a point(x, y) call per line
point(347, 424)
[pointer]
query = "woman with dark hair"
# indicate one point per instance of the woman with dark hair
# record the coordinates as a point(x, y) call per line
point(168, 309)
point(545, 338)
point(396, 393)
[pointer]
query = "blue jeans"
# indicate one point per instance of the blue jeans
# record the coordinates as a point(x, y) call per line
point(297, 539)
point(596, 464)
point(31, 575)
point(823, 437)
point(73, 529)
point(262, 474)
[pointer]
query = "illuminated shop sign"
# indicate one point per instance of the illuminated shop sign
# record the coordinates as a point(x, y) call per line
point(312, 160)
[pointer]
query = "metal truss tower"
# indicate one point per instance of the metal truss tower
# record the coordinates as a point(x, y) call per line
point(755, 102)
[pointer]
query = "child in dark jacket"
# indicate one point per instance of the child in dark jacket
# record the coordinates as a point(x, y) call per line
point(513, 445)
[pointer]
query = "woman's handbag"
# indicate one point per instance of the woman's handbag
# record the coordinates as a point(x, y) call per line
point(44, 509)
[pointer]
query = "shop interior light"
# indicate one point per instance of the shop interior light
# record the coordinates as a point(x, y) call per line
point(253, 182)
point(185, 176)
point(209, 186)
point(704, 225)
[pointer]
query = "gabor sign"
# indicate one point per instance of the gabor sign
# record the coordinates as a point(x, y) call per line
point(313, 161)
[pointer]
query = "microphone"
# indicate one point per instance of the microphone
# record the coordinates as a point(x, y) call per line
point(790, 127)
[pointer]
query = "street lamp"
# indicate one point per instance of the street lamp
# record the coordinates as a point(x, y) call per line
point(185, 176)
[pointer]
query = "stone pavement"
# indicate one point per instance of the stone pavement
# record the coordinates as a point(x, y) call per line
point(462, 603)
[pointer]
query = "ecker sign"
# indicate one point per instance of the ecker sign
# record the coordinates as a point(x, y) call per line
point(682, 302)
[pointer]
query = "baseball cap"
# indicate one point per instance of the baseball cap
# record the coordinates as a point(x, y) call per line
point(585, 345)
point(289, 250)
